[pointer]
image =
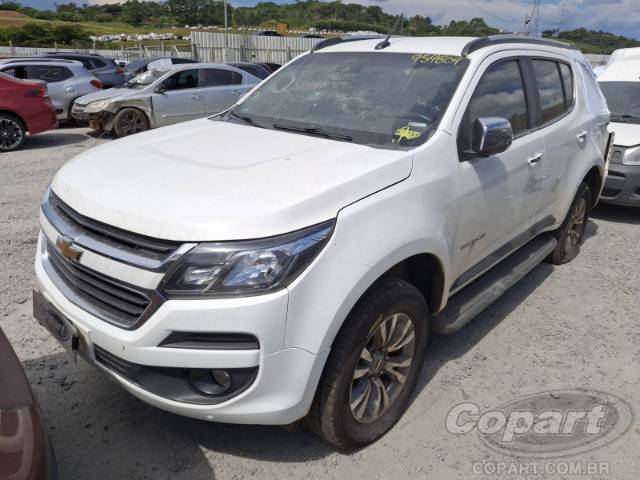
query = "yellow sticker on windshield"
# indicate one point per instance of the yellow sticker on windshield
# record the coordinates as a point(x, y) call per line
point(406, 133)
point(436, 59)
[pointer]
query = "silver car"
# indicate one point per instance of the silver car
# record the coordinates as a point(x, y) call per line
point(163, 96)
point(66, 80)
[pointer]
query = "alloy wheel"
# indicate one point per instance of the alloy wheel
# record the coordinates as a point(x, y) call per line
point(11, 134)
point(382, 367)
point(132, 122)
point(576, 225)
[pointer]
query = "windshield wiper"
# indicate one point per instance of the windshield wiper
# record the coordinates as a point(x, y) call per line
point(626, 116)
point(313, 131)
point(245, 119)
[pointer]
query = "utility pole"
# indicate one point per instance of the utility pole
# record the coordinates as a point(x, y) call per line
point(226, 26)
point(533, 24)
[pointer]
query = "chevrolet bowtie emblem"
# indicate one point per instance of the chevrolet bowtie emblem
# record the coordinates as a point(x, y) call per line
point(66, 248)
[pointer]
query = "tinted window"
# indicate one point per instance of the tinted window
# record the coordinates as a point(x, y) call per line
point(567, 82)
point(49, 74)
point(500, 93)
point(549, 88)
point(215, 77)
point(182, 80)
point(98, 63)
point(254, 70)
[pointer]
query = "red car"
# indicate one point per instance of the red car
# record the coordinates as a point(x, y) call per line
point(25, 106)
point(25, 450)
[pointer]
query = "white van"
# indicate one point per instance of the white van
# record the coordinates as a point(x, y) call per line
point(620, 84)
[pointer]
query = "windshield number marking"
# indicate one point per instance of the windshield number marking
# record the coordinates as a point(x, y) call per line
point(436, 59)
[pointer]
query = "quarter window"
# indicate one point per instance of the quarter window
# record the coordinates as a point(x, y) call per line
point(550, 89)
point(567, 82)
point(500, 93)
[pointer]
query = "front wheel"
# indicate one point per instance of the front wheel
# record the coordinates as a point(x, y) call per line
point(12, 133)
point(571, 234)
point(373, 367)
point(130, 121)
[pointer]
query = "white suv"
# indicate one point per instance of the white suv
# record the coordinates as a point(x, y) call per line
point(291, 257)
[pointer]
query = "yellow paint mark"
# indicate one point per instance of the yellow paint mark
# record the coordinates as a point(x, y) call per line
point(436, 59)
point(406, 133)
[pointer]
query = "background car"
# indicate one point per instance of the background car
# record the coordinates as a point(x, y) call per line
point(161, 97)
point(105, 69)
point(66, 80)
point(25, 449)
point(272, 67)
point(140, 66)
point(255, 69)
point(25, 106)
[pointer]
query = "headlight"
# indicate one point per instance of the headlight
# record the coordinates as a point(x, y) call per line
point(95, 107)
point(253, 267)
point(632, 156)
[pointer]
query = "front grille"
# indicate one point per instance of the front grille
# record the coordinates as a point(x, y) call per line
point(107, 298)
point(56, 210)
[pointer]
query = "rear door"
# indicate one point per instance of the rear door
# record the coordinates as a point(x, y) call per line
point(181, 99)
point(221, 88)
point(565, 132)
point(498, 192)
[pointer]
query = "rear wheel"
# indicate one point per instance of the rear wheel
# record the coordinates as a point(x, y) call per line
point(12, 132)
point(571, 234)
point(129, 121)
point(373, 367)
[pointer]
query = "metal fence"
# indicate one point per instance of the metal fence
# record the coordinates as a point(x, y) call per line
point(128, 54)
point(221, 47)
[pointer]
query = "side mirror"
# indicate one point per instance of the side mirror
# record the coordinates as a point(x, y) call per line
point(491, 135)
point(160, 89)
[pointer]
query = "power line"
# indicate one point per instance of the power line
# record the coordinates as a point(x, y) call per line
point(487, 12)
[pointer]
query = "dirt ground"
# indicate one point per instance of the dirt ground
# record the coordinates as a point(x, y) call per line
point(575, 326)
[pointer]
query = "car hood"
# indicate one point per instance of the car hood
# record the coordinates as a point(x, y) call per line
point(210, 180)
point(627, 134)
point(107, 94)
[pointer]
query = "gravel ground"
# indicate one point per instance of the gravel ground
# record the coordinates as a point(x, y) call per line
point(574, 326)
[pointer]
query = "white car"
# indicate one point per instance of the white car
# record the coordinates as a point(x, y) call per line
point(620, 84)
point(291, 257)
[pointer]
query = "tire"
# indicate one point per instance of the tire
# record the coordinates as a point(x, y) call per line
point(129, 121)
point(571, 234)
point(12, 132)
point(343, 413)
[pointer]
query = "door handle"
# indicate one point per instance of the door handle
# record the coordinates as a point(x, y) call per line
point(195, 96)
point(582, 136)
point(235, 92)
point(69, 89)
point(535, 159)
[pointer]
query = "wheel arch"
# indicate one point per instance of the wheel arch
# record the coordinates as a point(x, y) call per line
point(595, 180)
point(4, 111)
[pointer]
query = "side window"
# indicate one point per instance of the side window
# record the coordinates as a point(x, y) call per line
point(215, 77)
point(182, 80)
point(500, 93)
point(237, 78)
point(97, 63)
point(17, 72)
point(49, 74)
point(567, 82)
point(550, 89)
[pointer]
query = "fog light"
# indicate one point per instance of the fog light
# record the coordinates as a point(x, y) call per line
point(210, 382)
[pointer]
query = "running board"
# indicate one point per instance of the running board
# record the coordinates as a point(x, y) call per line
point(479, 294)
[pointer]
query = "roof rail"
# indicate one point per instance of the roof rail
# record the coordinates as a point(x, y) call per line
point(489, 41)
point(335, 41)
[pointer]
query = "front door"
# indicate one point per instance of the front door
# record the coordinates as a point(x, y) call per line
point(180, 100)
point(497, 192)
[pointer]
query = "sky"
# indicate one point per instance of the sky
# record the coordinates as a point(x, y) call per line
point(621, 17)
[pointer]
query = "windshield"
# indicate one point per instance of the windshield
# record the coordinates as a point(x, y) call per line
point(623, 99)
point(374, 98)
point(146, 78)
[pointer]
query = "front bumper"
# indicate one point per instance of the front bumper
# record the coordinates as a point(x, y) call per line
point(622, 185)
point(97, 121)
point(284, 384)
